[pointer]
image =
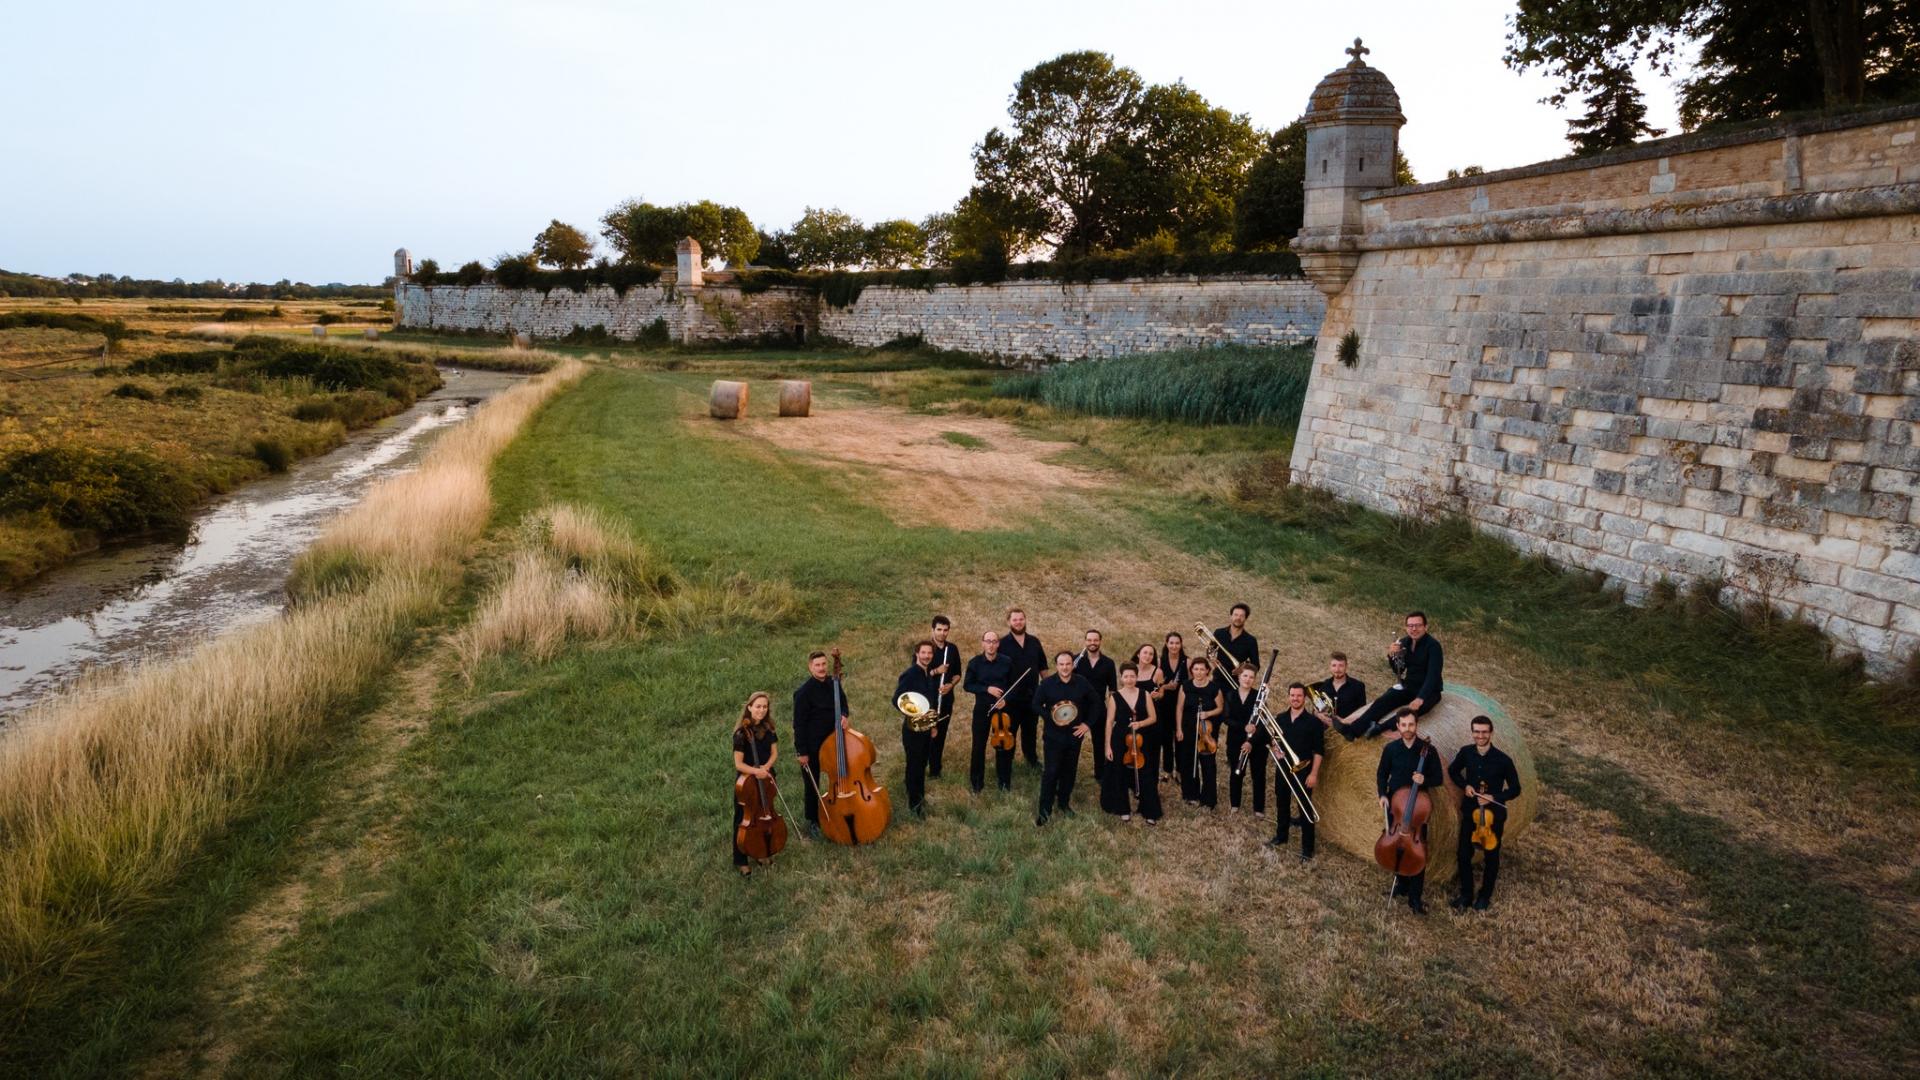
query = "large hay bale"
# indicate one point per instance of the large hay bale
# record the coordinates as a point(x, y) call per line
point(1350, 806)
point(796, 397)
point(728, 401)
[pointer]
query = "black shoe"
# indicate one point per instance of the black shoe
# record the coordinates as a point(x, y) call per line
point(1306, 856)
point(919, 811)
point(1417, 907)
point(1006, 787)
point(1066, 811)
point(1039, 821)
point(1482, 904)
point(1458, 903)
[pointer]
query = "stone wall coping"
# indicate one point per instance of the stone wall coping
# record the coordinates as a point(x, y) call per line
point(1671, 146)
point(1035, 283)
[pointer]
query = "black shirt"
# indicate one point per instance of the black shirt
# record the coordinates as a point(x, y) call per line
point(982, 673)
point(948, 654)
point(1424, 660)
point(1029, 657)
point(1492, 773)
point(1052, 691)
point(1240, 711)
point(1245, 649)
point(1101, 673)
point(1348, 699)
point(755, 746)
point(1398, 763)
point(1171, 672)
point(1305, 733)
point(813, 714)
point(917, 680)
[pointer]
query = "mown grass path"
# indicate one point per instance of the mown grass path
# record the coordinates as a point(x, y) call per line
point(549, 893)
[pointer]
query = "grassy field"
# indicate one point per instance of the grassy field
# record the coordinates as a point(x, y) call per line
point(519, 867)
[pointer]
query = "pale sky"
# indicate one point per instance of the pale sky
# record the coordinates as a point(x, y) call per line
point(253, 142)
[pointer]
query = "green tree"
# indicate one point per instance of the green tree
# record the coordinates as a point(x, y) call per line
point(564, 246)
point(1755, 60)
point(1271, 205)
point(773, 252)
point(472, 272)
point(892, 244)
point(1616, 115)
point(1179, 170)
point(426, 272)
point(645, 233)
point(826, 240)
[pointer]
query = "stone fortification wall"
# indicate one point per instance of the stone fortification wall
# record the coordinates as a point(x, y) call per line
point(1049, 319)
point(709, 313)
point(1698, 360)
point(1019, 320)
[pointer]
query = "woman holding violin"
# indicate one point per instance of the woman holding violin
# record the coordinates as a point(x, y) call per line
point(1203, 707)
point(1130, 776)
point(1409, 766)
point(759, 833)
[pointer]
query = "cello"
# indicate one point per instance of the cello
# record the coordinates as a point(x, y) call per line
point(1402, 847)
point(762, 832)
point(854, 809)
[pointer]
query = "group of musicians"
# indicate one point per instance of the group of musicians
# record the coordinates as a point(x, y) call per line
point(1185, 708)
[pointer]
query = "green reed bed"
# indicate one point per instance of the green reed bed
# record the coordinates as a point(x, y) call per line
point(1227, 385)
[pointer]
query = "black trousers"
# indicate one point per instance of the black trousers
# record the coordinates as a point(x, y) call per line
point(1098, 723)
point(1062, 763)
point(1382, 709)
point(1208, 792)
point(917, 745)
point(977, 758)
point(811, 781)
point(733, 837)
point(1185, 769)
point(1284, 804)
point(1256, 770)
point(936, 748)
point(1164, 752)
point(1463, 857)
point(1024, 721)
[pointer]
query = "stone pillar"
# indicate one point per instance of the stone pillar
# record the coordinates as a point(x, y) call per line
point(1353, 136)
point(687, 254)
point(402, 265)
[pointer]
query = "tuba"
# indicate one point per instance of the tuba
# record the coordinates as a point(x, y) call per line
point(918, 711)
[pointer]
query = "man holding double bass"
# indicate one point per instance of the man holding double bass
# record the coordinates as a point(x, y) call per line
point(1408, 762)
point(813, 724)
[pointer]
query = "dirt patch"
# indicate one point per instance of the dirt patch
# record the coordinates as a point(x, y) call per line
point(911, 466)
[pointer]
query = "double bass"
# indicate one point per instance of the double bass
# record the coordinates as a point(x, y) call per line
point(1402, 847)
point(762, 832)
point(854, 809)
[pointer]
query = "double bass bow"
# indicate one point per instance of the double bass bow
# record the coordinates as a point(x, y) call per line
point(854, 808)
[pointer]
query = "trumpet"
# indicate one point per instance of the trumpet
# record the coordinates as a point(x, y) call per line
point(918, 711)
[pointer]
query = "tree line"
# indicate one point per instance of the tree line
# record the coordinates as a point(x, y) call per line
point(109, 286)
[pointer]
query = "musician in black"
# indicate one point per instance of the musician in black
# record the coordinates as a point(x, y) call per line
point(755, 749)
point(1174, 676)
point(1408, 760)
point(917, 745)
point(1246, 740)
point(1029, 658)
point(1098, 670)
point(946, 667)
point(1061, 741)
point(1416, 661)
point(1202, 704)
point(1234, 637)
point(1348, 695)
point(989, 675)
point(812, 726)
point(1487, 780)
point(1306, 735)
point(1130, 709)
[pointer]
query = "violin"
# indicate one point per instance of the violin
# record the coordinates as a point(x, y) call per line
point(1135, 756)
point(1483, 835)
point(854, 808)
point(762, 832)
point(1401, 847)
point(999, 723)
point(1205, 740)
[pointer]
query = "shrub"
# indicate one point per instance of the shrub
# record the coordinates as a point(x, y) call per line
point(585, 335)
point(316, 409)
point(470, 273)
point(273, 453)
point(656, 334)
point(112, 492)
point(1229, 385)
point(202, 362)
point(237, 314)
point(1350, 348)
point(182, 393)
point(134, 391)
point(327, 318)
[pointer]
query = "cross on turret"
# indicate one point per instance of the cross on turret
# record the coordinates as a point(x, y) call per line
point(1357, 52)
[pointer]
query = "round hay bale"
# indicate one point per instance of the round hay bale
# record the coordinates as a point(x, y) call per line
point(370, 335)
point(319, 331)
point(728, 401)
point(796, 397)
point(1349, 803)
point(523, 341)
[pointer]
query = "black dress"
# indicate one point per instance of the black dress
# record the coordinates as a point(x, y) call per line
point(1197, 775)
point(1175, 677)
point(756, 749)
point(1121, 786)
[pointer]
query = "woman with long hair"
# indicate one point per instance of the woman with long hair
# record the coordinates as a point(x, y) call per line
point(754, 752)
point(1173, 681)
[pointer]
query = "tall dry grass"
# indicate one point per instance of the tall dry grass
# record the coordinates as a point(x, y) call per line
point(108, 788)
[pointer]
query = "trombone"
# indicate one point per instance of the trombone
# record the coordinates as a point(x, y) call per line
point(1288, 763)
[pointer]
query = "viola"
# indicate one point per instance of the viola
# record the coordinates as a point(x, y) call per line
point(854, 808)
point(1401, 847)
point(999, 723)
point(762, 832)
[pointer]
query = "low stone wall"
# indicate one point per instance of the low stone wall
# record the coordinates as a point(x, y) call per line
point(1049, 319)
point(1026, 320)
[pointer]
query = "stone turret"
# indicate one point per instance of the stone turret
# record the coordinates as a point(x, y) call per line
point(402, 264)
point(687, 256)
point(1353, 137)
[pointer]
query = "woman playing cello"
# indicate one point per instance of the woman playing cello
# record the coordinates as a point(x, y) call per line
point(754, 752)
